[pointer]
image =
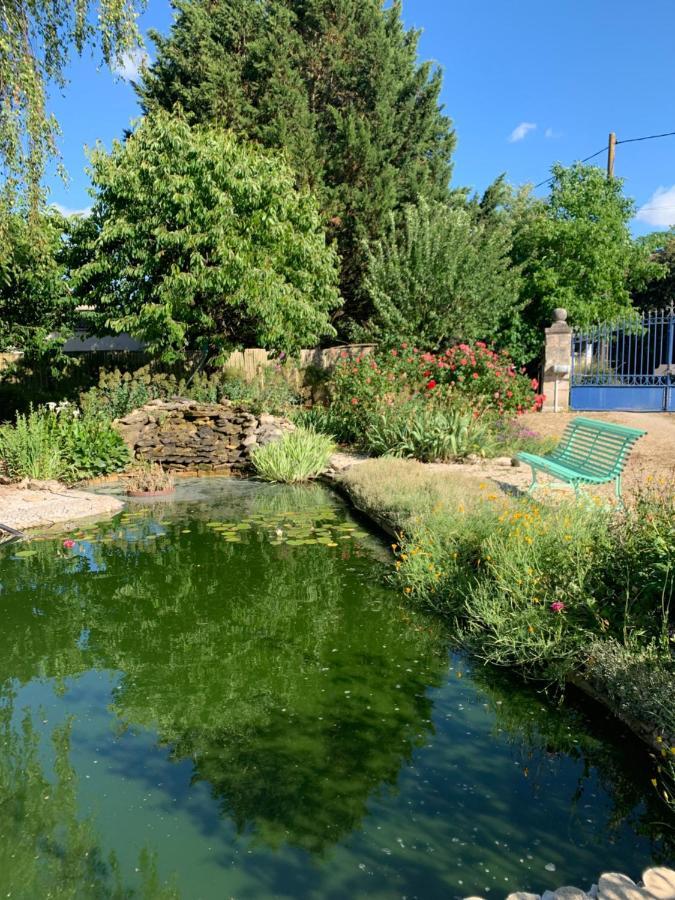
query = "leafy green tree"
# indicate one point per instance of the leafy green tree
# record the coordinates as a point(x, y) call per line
point(576, 249)
point(35, 39)
point(34, 297)
point(337, 86)
point(203, 243)
point(659, 292)
point(443, 274)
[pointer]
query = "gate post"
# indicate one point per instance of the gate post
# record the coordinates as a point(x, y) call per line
point(557, 363)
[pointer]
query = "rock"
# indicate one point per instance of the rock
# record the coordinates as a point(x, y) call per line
point(49, 485)
point(504, 461)
point(660, 882)
point(569, 893)
point(593, 891)
point(187, 434)
point(614, 886)
point(548, 895)
point(523, 895)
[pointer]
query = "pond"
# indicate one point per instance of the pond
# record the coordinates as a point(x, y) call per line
point(219, 697)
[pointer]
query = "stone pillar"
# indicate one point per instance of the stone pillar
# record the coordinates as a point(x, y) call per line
point(557, 363)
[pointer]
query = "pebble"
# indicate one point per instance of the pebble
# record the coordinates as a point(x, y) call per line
point(660, 882)
point(614, 886)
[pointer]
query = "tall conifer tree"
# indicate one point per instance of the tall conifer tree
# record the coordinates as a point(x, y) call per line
point(334, 83)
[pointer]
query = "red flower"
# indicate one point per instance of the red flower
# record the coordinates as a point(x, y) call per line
point(69, 543)
point(476, 375)
point(535, 384)
point(431, 385)
point(354, 401)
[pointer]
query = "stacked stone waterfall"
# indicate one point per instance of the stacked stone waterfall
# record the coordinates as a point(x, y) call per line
point(188, 435)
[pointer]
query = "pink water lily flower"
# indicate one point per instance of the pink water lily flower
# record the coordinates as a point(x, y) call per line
point(69, 543)
point(557, 607)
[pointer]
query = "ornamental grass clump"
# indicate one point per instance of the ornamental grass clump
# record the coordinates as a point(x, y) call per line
point(300, 455)
point(32, 447)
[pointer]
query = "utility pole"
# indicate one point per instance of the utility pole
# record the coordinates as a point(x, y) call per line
point(611, 151)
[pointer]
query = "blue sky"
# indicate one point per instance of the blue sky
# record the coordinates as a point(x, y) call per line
point(526, 82)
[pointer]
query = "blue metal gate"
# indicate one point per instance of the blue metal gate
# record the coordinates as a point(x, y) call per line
point(625, 366)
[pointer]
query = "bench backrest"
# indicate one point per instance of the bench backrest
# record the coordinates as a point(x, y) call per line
point(596, 448)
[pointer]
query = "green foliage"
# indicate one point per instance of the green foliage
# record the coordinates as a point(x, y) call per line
point(46, 444)
point(90, 447)
point(118, 393)
point(35, 40)
point(30, 448)
point(443, 274)
point(576, 249)
point(533, 585)
point(336, 85)
point(378, 394)
point(34, 298)
point(419, 431)
point(659, 291)
point(299, 455)
point(204, 244)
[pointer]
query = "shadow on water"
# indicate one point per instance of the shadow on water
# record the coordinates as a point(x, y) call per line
point(267, 719)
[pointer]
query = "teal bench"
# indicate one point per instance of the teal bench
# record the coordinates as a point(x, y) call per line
point(589, 452)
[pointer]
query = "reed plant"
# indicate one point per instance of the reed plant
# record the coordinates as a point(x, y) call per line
point(299, 456)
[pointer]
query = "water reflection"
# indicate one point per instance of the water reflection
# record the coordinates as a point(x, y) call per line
point(278, 698)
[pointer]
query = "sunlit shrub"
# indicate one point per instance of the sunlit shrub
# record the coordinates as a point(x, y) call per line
point(299, 456)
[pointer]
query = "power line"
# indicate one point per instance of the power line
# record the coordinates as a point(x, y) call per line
point(586, 159)
point(649, 137)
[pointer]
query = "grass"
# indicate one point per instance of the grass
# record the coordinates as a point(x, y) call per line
point(31, 448)
point(299, 456)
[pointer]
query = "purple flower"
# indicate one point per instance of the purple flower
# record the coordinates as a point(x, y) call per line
point(557, 607)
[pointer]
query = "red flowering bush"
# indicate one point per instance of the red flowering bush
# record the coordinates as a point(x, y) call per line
point(470, 375)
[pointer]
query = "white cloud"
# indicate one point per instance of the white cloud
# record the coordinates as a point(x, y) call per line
point(68, 212)
point(659, 210)
point(129, 67)
point(521, 131)
point(551, 134)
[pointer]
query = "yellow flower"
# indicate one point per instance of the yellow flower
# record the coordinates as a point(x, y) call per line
point(654, 782)
point(408, 590)
point(530, 629)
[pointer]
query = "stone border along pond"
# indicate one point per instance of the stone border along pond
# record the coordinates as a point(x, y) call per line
point(185, 435)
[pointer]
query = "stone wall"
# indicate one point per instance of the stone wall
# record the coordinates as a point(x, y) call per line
point(185, 434)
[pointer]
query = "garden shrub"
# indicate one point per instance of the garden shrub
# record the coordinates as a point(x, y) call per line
point(427, 433)
point(46, 444)
point(372, 395)
point(299, 456)
point(30, 448)
point(118, 393)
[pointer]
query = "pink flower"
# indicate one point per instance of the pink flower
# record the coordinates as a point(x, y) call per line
point(557, 607)
point(476, 375)
point(354, 401)
point(69, 543)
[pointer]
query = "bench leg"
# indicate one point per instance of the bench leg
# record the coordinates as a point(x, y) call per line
point(533, 487)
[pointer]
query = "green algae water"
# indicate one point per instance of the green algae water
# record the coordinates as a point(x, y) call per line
point(218, 697)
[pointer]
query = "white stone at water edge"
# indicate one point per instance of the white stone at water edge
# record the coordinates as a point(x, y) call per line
point(614, 886)
point(570, 893)
point(522, 895)
point(660, 882)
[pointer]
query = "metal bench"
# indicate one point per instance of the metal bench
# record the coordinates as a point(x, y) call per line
point(589, 452)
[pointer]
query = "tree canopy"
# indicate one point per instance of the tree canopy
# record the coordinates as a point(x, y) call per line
point(577, 251)
point(35, 39)
point(202, 243)
point(34, 297)
point(336, 85)
point(444, 274)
